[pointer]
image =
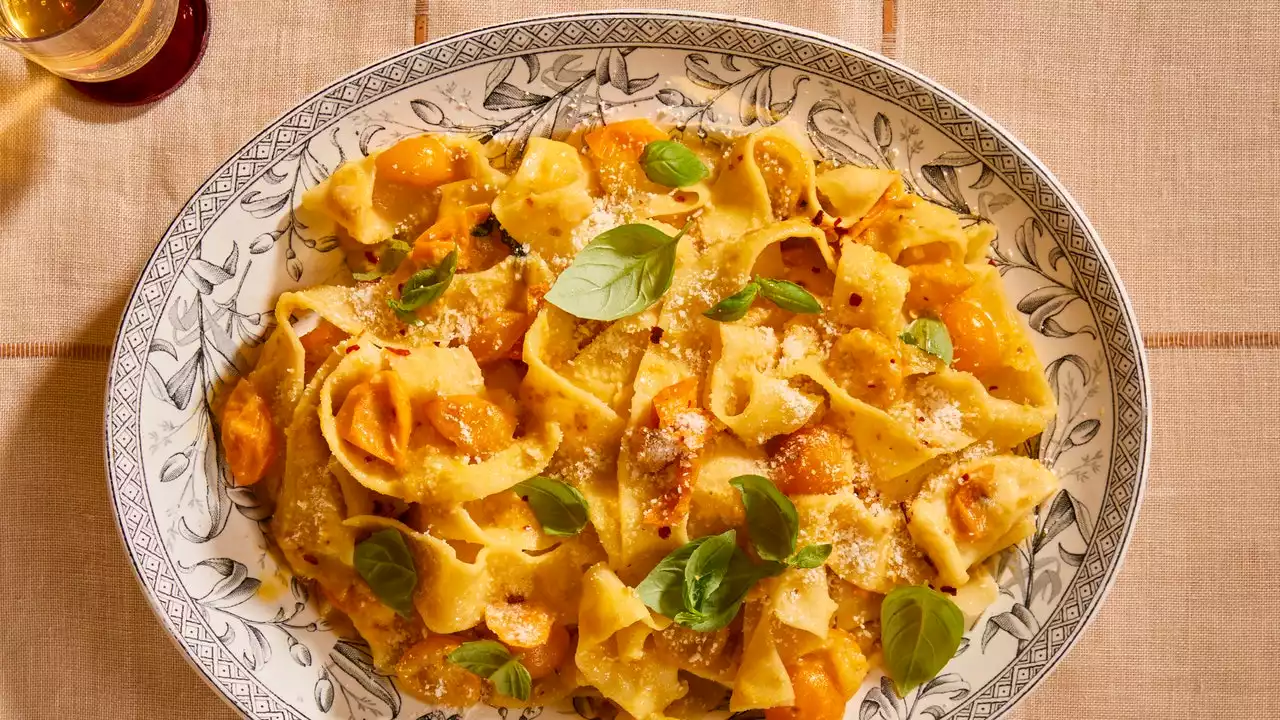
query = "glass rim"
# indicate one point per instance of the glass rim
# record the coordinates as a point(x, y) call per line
point(14, 40)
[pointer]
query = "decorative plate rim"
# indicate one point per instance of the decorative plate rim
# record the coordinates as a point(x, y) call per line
point(1141, 369)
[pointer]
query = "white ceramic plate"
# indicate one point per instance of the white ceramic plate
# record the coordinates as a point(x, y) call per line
point(202, 301)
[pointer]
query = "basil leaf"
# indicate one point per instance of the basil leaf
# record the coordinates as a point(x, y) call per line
point(920, 630)
point(392, 255)
point(707, 567)
point(721, 606)
point(930, 336)
point(662, 590)
point(620, 273)
point(425, 286)
point(560, 508)
point(811, 556)
point(669, 163)
point(512, 680)
point(736, 305)
point(771, 517)
point(482, 657)
point(384, 561)
point(789, 296)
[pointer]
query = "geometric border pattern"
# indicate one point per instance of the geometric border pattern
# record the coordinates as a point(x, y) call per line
point(1098, 284)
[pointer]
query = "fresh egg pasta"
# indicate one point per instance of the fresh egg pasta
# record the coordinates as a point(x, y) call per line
point(657, 423)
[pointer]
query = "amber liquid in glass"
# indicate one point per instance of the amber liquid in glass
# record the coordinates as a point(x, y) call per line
point(88, 40)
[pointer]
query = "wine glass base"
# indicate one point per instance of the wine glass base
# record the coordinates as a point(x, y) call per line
point(165, 72)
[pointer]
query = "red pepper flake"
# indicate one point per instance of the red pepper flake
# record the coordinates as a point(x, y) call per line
point(524, 498)
point(964, 477)
point(740, 158)
point(368, 255)
point(991, 262)
point(400, 288)
point(892, 361)
point(310, 558)
point(817, 219)
point(515, 599)
point(815, 270)
point(403, 333)
point(871, 386)
point(352, 348)
point(664, 532)
point(855, 300)
point(993, 388)
point(655, 335)
point(679, 197)
point(528, 201)
point(368, 458)
point(948, 590)
point(398, 351)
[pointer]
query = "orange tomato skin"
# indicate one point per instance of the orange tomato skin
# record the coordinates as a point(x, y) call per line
point(935, 285)
point(377, 418)
point(248, 435)
point(497, 335)
point(422, 160)
point(543, 660)
point(817, 695)
point(974, 337)
point(318, 344)
point(425, 671)
point(810, 461)
point(472, 423)
point(615, 150)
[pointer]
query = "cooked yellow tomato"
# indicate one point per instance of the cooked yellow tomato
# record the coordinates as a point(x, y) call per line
point(615, 150)
point(934, 285)
point(818, 696)
point(811, 461)
point(543, 660)
point(376, 417)
point(458, 230)
point(974, 336)
point(519, 622)
point(248, 435)
point(318, 344)
point(968, 503)
point(472, 423)
point(422, 160)
point(425, 671)
point(498, 335)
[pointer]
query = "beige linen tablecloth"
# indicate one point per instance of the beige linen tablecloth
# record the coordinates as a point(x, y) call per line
point(1163, 118)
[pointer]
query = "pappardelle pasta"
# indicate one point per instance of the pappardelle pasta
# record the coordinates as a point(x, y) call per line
point(651, 427)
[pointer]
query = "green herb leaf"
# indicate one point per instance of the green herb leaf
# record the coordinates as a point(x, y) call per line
point(494, 662)
point(662, 590)
point(512, 680)
point(669, 163)
point(789, 296)
point(736, 305)
point(392, 255)
point(771, 517)
point(482, 657)
point(920, 630)
point(384, 561)
point(930, 336)
point(620, 273)
point(560, 508)
point(810, 556)
point(425, 286)
point(720, 607)
point(707, 567)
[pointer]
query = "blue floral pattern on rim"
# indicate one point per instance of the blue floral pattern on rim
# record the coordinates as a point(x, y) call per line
point(203, 303)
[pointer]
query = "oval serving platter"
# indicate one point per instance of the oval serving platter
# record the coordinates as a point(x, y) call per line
point(202, 306)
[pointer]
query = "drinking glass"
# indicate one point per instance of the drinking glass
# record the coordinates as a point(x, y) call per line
point(119, 51)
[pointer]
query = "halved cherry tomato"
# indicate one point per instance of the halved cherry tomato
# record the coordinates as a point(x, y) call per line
point(811, 461)
point(248, 436)
point(376, 417)
point(974, 336)
point(472, 423)
point(425, 671)
point(422, 160)
point(543, 660)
